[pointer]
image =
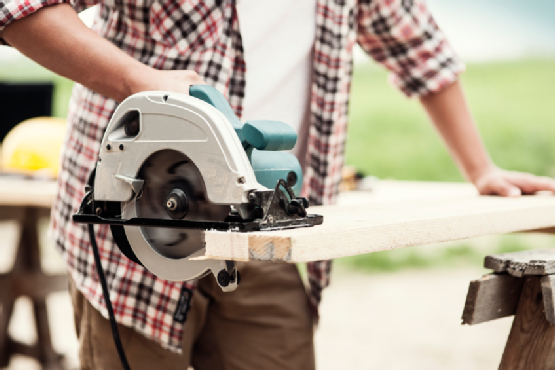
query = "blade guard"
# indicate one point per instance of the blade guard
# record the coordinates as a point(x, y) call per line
point(149, 122)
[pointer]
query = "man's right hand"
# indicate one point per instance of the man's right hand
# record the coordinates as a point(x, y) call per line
point(176, 81)
point(58, 40)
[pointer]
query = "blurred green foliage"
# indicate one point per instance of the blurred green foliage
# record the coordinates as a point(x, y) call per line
point(513, 103)
point(26, 70)
point(446, 255)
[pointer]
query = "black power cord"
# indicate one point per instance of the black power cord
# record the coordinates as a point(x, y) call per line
point(106, 294)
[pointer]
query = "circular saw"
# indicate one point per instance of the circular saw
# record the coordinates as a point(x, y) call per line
point(172, 166)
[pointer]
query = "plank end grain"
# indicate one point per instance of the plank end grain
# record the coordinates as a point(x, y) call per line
point(226, 245)
point(259, 246)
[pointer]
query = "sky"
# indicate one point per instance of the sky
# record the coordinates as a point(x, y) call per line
point(479, 30)
point(497, 29)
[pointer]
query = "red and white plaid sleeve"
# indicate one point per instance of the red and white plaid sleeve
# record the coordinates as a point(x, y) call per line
point(11, 10)
point(403, 36)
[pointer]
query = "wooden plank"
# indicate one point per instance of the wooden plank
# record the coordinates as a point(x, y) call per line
point(19, 192)
point(491, 297)
point(394, 214)
point(548, 286)
point(392, 190)
point(364, 228)
point(531, 343)
point(532, 262)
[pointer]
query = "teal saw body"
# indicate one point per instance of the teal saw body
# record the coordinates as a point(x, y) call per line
point(264, 141)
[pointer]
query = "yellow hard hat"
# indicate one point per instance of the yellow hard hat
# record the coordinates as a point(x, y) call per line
point(34, 145)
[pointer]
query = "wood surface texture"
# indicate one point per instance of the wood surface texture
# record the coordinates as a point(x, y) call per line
point(532, 262)
point(491, 297)
point(365, 226)
point(548, 286)
point(531, 343)
point(18, 192)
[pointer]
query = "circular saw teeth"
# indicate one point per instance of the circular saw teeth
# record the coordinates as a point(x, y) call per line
point(174, 189)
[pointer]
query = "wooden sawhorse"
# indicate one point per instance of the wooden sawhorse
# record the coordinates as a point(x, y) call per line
point(26, 202)
point(523, 285)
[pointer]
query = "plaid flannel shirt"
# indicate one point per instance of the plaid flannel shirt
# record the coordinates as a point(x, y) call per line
point(204, 36)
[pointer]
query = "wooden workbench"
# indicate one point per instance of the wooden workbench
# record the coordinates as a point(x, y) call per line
point(34, 193)
point(26, 202)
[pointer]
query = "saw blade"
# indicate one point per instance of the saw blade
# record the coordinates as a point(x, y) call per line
point(166, 173)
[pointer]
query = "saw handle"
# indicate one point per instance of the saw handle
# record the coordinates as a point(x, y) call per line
point(262, 135)
point(262, 140)
point(269, 135)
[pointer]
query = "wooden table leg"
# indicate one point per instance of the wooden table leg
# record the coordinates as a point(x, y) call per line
point(531, 343)
point(27, 279)
point(6, 309)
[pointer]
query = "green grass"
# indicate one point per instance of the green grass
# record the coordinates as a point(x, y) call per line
point(513, 102)
point(445, 255)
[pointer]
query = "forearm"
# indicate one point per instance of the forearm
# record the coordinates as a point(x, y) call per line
point(57, 39)
point(451, 116)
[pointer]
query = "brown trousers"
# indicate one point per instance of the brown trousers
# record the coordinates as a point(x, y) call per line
point(264, 324)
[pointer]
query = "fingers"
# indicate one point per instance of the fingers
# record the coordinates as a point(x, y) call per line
point(499, 186)
point(189, 78)
point(512, 184)
point(193, 78)
point(529, 183)
point(162, 80)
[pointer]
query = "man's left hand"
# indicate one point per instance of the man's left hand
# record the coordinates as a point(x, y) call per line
point(495, 181)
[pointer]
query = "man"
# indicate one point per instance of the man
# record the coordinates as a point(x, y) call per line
point(249, 51)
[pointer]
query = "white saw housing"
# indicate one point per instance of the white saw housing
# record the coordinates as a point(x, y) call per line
point(175, 121)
